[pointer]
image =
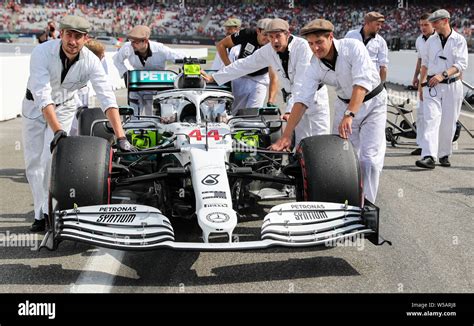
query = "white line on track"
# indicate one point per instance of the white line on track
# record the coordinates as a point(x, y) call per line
point(99, 272)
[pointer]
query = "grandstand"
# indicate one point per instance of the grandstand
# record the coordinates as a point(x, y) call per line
point(188, 18)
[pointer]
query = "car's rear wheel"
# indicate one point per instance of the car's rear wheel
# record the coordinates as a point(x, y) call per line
point(330, 171)
point(80, 172)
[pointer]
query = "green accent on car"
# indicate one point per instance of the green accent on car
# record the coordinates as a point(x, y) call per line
point(192, 69)
point(143, 138)
point(249, 138)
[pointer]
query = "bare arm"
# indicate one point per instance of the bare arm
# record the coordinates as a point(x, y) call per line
point(357, 98)
point(417, 73)
point(423, 73)
point(222, 46)
point(114, 118)
point(383, 73)
point(273, 88)
point(295, 116)
point(49, 114)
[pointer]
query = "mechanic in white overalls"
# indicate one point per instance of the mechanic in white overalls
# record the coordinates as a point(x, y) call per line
point(82, 95)
point(360, 107)
point(375, 44)
point(143, 54)
point(426, 31)
point(289, 56)
point(58, 68)
point(231, 26)
point(443, 60)
point(251, 90)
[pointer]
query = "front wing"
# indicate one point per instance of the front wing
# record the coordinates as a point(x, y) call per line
point(138, 227)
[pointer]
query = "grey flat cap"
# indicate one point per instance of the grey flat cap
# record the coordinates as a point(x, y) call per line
point(75, 23)
point(317, 25)
point(233, 22)
point(140, 32)
point(277, 25)
point(263, 23)
point(439, 14)
point(374, 16)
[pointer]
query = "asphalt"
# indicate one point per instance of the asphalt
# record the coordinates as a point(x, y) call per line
point(427, 215)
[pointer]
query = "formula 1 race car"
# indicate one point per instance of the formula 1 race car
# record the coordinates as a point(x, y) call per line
point(199, 162)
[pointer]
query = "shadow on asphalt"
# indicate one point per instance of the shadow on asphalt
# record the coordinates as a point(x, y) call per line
point(16, 175)
point(464, 191)
point(287, 269)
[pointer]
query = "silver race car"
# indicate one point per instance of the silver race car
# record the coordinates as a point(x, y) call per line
point(198, 161)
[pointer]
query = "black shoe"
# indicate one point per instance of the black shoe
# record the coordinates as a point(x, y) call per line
point(444, 161)
point(416, 152)
point(426, 162)
point(38, 226)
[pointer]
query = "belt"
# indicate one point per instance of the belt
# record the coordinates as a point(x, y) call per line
point(29, 97)
point(444, 81)
point(376, 91)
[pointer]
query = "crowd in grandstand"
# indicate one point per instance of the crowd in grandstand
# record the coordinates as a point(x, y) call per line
point(185, 18)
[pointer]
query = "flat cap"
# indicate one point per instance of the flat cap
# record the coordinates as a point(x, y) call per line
point(263, 23)
point(233, 22)
point(317, 25)
point(374, 16)
point(75, 23)
point(439, 14)
point(140, 32)
point(277, 25)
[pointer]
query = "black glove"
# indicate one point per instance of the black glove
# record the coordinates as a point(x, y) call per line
point(271, 105)
point(58, 135)
point(125, 145)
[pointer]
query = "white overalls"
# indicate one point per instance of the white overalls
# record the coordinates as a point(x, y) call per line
point(442, 103)
point(377, 47)
point(46, 88)
point(157, 61)
point(353, 67)
point(316, 118)
point(419, 44)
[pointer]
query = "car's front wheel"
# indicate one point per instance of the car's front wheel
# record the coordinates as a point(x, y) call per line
point(330, 171)
point(80, 172)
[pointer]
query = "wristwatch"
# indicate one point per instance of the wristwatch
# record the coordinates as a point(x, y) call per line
point(349, 113)
point(445, 74)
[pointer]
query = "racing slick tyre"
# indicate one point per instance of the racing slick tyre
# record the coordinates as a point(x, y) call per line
point(330, 170)
point(85, 118)
point(80, 172)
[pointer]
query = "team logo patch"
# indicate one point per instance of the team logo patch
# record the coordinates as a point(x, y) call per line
point(210, 180)
point(218, 217)
point(249, 48)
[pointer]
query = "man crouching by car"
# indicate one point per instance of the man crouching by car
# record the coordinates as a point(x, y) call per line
point(59, 68)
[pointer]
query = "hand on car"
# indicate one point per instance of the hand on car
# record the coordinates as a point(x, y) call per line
point(345, 127)
point(282, 144)
point(125, 145)
point(208, 78)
